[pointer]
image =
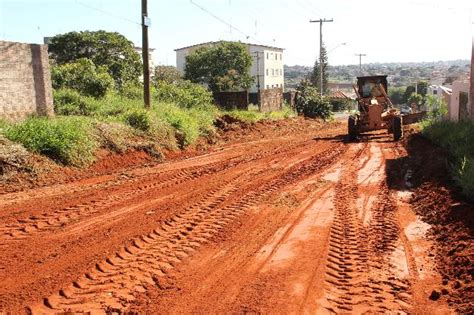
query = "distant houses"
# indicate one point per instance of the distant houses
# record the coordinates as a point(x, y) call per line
point(267, 67)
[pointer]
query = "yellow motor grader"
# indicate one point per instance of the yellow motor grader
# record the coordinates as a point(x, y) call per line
point(375, 109)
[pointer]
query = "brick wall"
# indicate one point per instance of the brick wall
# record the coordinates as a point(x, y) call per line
point(472, 80)
point(271, 99)
point(232, 100)
point(25, 80)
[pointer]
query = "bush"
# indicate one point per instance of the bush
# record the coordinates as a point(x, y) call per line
point(131, 91)
point(69, 102)
point(457, 139)
point(82, 76)
point(139, 119)
point(340, 104)
point(67, 139)
point(311, 104)
point(184, 93)
point(186, 125)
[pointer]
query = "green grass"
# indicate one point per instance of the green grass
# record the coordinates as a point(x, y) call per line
point(178, 118)
point(68, 140)
point(457, 139)
point(253, 115)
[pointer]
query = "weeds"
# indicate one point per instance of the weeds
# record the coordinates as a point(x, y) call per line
point(67, 139)
point(457, 139)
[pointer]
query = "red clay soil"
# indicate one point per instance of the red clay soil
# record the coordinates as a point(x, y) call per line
point(284, 217)
point(439, 202)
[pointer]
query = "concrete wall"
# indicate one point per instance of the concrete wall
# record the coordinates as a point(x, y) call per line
point(25, 80)
point(271, 99)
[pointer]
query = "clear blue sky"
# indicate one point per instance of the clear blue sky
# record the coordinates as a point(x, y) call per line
point(387, 31)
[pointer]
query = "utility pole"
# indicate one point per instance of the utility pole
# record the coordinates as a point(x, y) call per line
point(146, 62)
point(321, 21)
point(360, 60)
point(257, 54)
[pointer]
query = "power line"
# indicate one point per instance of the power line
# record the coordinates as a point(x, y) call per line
point(107, 13)
point(224, 21)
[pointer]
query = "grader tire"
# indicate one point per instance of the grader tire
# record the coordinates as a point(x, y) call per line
point(352, 128)
point(397, 127)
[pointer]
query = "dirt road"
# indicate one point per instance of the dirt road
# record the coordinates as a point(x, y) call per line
point(302, 223)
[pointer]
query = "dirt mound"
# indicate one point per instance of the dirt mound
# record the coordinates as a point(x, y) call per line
point(440, 204)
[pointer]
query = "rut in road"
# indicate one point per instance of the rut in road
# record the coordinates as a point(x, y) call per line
point(139, 185)
point(112, 283)
point(359, 274)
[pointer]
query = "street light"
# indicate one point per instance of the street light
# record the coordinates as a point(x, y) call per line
point(337, 46)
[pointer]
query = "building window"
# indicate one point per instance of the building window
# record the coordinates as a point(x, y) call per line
point(267, 86)
point(267, 55)
point(435, 92)
point(267, 71)
point(281, 56)
point(276, 56)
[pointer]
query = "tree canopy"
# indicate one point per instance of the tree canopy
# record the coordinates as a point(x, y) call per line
point(109, 49)
point(315, 76)
point(222, 67)
point(168, 74)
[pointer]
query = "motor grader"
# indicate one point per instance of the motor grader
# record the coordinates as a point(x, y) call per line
point(375, 109)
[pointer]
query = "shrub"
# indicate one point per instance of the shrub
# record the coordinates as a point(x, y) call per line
point(184, 94)
point(340, 104)
point(69, 102)
point(131, 91)
point(186, 125)
point(139, 119)
point(67, 139)
point(457, 139)
point(83, 76)
point(311, 104)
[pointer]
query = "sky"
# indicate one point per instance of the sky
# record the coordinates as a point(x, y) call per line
point(386, 31)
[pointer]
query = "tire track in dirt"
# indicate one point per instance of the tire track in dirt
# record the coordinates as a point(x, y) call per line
point(25, 227)
point(153, 254)
point(360, 274)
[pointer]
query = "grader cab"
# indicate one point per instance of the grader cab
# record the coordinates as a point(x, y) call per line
point(375, 109)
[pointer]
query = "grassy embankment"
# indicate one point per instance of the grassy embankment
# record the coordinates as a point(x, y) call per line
point(457, 139)
point(178, 118)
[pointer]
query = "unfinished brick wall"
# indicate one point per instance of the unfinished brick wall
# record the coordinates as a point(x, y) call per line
point(271, 99)
point(25, 80)
point(232, 100)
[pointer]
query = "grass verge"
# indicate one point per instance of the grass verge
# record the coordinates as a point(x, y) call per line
point(456, 137)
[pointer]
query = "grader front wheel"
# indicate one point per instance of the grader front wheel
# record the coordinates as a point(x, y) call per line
point(352, 128)
point(397, 128)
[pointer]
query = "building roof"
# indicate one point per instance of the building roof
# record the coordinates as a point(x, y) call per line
point(220, 41)
point(338, 94)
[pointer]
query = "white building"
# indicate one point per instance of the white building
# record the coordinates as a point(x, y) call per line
point(151, 60)
point(460, 105)
point(267, 67)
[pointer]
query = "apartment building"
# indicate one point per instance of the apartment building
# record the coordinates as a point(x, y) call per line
point(267, 66)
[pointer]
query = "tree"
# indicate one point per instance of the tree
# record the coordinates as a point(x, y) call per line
point(109, 49)
point(168, 74)
point(82, 76)
point(397, 95)
point(315, 77)
point(310, 103)
point(415, 99)
point(222, 67)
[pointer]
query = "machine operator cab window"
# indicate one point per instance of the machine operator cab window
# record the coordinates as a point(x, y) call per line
point(371, 89)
